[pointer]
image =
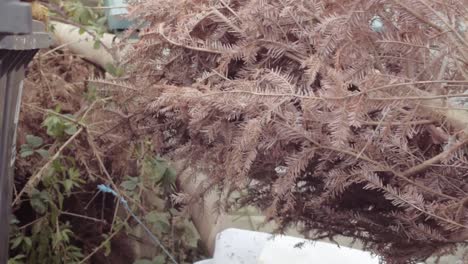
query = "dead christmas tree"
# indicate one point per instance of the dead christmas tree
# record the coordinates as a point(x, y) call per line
point(338, 117)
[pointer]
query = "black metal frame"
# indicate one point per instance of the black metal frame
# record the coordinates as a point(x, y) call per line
point(17, 48)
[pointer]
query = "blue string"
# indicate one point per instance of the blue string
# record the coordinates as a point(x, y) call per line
point(106, 189)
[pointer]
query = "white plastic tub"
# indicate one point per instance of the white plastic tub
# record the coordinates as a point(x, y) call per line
point(235, 246)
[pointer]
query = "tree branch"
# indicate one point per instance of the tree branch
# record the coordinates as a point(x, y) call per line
point(436, 159)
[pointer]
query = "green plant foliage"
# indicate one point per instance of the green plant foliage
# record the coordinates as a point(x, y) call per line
point(18, 259)
point(48, 239)
point(155, 260)
point(97, 44)
point(115, 70)
point(91, 93)
point(130, 184)
point(58, 127)
point(157, 179)
point(48, 236)
point(90, 18)
point(34, 145)
point(49, 242)
point(159, 171)
point(107, 245)
point(40, 201)
point(159, 221)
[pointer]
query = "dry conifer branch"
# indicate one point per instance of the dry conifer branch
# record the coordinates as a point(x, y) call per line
point(251, 88)
point(418, 122)
point(422, 210)
point(436, 159)
point(403, 176)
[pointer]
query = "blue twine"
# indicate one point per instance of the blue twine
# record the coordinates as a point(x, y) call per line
point(106, 189)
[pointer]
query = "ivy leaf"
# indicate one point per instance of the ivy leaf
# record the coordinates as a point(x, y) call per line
point(159, 260)
point(28, 241)
point(39, 201)
point(16, 242)
point(34, 141)
point(170, 176)
point(107, 248)
point(51, 28)
point(56, 239)
point(68, 185)
point(38, 206)
point(110, 68)
point(100, 22)
point(54, 125)
point(44, 153)
point(97, 44)
point(54, 213)
point(143, 261)
point(152, 217)
point(75, 252)
point(44, 195)
point(155, 169)
point(60, 199)
point(114, 70)
point(71, 130)
point(24, 153)
point(190, 238)
point(161, 172)
point(73, 173)
point(162, 227)
point(159, 220)
point(66, 233)
point(18, 259)
point(14, 220)
point(129, 185)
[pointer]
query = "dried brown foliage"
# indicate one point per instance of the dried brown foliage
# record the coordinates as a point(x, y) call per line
point(104, 149)
point(321, 117)
point(57, 79)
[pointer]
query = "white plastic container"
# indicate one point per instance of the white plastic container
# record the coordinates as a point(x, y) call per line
point(235, 246)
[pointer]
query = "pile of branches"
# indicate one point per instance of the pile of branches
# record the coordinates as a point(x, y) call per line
point(55, 86)
point(335, 117)
point(102, 149)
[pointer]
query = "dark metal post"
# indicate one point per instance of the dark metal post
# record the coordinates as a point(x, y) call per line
point(20, 39)
point(15, 17)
